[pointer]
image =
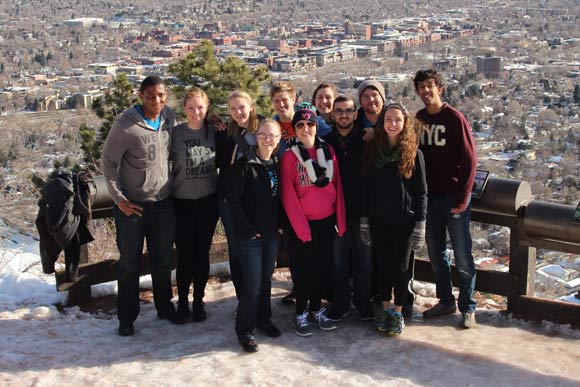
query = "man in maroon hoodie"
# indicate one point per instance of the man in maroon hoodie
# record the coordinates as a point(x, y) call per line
point(450, 160)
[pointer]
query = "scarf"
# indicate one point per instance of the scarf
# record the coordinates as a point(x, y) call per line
point(320, 172)
point(388, 156)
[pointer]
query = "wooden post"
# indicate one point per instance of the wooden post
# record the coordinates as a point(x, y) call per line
point(81, 294)
point(522, 266)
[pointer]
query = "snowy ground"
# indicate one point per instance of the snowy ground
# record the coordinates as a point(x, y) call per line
point(41, 347)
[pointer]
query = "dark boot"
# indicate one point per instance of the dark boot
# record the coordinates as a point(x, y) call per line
point(198, 312)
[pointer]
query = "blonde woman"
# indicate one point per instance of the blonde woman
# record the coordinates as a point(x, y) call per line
point(238, 140)
point(254, 203)
point(195, 191)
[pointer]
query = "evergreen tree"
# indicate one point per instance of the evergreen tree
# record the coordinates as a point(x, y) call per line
point(577, 94)
point(108, 108)
point(201, 68)
point(40, 59)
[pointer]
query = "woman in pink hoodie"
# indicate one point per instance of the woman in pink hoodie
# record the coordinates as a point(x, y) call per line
point(313, 200)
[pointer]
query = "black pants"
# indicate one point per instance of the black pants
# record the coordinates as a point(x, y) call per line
point(195, 221)
point(392, 244)
point(310, 263)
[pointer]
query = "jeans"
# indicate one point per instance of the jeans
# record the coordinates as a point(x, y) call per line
point(196, 221)
point(439, 220)
point(234, 251)
point(349, 253)
point(157, 226)
point(257, 263)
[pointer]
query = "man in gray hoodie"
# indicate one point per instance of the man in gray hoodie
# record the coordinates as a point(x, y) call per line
point(136, 168)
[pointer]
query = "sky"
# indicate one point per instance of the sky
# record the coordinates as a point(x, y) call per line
point(42, 346)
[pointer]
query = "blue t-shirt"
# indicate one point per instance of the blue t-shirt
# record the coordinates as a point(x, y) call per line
point(154, 124)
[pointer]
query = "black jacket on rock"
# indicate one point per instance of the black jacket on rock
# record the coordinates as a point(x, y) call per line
point(64, 215)
point(253, 207)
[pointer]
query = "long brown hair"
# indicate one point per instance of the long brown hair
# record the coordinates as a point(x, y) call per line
point(253, 119)
point(408, 142)
point(324, 85)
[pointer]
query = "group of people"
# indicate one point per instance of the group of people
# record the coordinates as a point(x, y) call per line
point(350, 193)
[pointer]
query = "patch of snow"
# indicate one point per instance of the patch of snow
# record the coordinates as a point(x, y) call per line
point(43, 347)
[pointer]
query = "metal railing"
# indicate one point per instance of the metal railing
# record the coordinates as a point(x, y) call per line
point(505, 202)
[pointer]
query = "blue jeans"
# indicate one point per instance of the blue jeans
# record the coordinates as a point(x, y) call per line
point(439, 220)
point(157, 226)
point(234, 252)
point(349, 253)
point(257, 264)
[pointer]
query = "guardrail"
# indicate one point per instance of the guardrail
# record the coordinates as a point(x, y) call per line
point(533, 224)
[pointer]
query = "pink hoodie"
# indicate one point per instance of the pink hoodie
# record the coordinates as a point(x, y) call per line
point(303, 201)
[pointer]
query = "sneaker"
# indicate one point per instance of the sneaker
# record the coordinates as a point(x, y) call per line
point(301, 325)
point(337, 316)
point(172, 316)
point(248, 343)
point(270, 330)
point(397, 324)
point(126, 328)
point(198, 312)
point(439, 310)
point(288, 299)
point(468, 320)
point(320, 318)
point(367, 316)
point(384, 320)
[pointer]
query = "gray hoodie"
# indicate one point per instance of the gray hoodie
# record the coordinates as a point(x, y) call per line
point(135, 158)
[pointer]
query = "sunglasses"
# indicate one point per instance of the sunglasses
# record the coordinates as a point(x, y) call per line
point(302, 125)
point(264, 136)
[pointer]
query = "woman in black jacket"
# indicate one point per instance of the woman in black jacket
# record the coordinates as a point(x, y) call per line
point(253, 200)
point(394, 196)
point(238, 140)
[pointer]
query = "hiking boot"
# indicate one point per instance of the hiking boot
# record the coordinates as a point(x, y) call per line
point(337, 316)
point(384, 320)
point(198, 312)
point(126, 328)
point(368, 315)
point(397, 324)
point(301, 325)
point(288, 299)
point(320, 318)
point(172, 316)
point(248, 343)
point(439, 310)
point(407, 311)
point(270, 330)
point(468, 320)
point(183, 309)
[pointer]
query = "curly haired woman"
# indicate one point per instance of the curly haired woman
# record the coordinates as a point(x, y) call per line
point(395, 197)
